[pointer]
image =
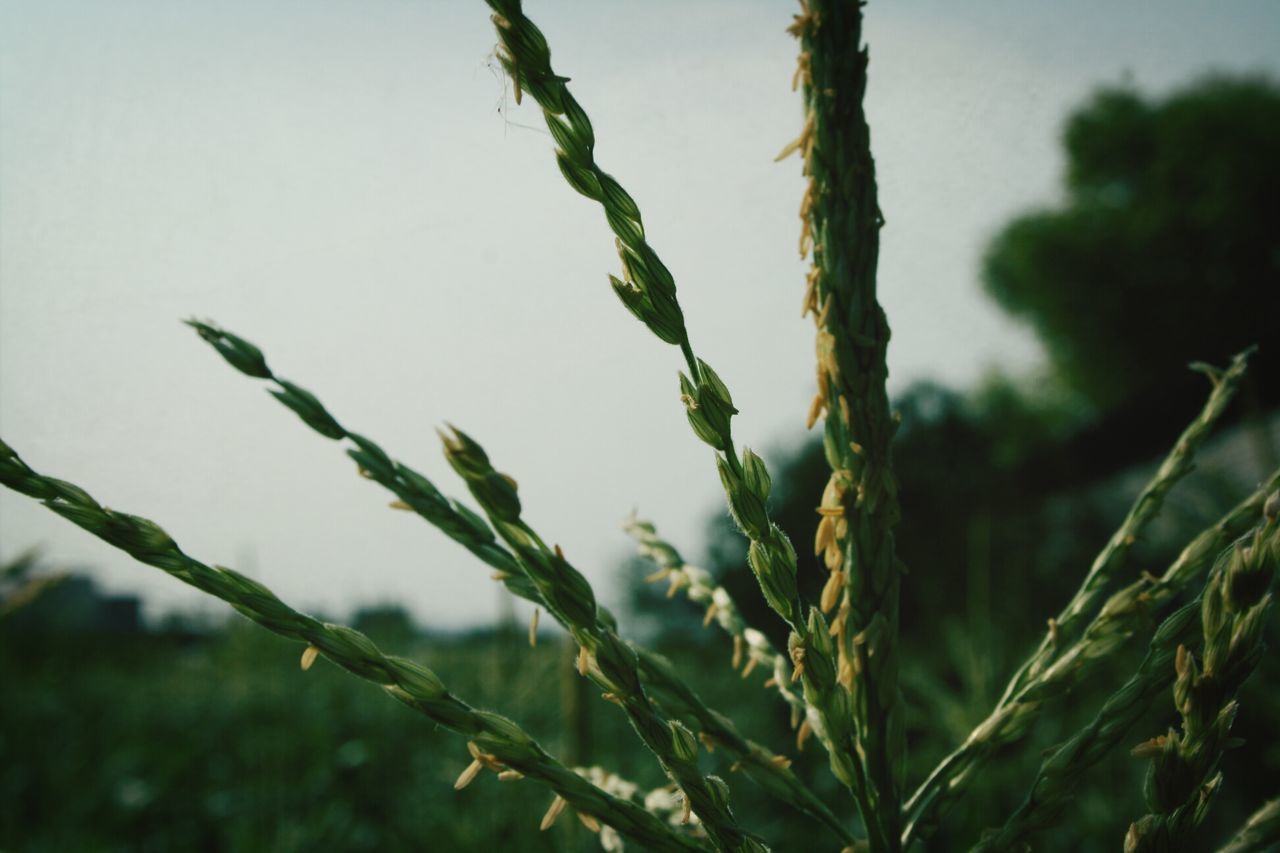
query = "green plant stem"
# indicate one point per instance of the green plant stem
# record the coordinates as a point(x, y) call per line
point(841, 222)
point(502, 742)
point(751, 647)
point(1069, 623)
point(1067, 653)
point(757, 647)
point(648, 291)
point(1183, 777)
point(1062, 772)
point(1260, 833)
point(417, 493)
point(604, 658)
point(1125, 613)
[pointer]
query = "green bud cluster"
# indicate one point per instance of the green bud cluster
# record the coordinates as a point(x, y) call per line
point(648, 289)
point(709, 407)
point(683, 743)
point(1072, 648)
point(1183, 776)
point(1059, 777)
point(615, 665)
point(238, 352)
point(773, 562)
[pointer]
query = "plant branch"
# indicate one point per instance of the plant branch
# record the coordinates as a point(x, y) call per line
point(840, 223)
point(1061, 659)
point(1183, 779)
point(1062, 772)
point(648, 291)
point(418, 494)
point(496, 742)
point(604, 658)
point(1068, 623)
point(751, 648)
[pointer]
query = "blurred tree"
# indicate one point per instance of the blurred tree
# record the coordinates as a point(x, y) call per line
point(1166, 248)
point(388, 624)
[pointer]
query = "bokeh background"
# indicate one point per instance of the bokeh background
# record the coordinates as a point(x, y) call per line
point(1079, 201)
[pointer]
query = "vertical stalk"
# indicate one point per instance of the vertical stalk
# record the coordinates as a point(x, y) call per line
point(841, 228)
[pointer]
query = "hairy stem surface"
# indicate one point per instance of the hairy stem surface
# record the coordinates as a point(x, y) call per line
point(840, 224)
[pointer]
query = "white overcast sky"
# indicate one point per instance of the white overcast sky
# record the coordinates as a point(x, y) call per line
point(336, 182)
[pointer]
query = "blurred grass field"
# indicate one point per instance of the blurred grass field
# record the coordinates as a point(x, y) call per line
point(216, 740)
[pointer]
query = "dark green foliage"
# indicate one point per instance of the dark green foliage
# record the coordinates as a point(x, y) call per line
point(1167, 247)
point(222, 743)
point(198, 740)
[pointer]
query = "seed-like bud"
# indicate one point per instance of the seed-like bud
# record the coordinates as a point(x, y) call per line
point(239, 353)
point(1212, 610)
point(715, 409)
point(503, 737)
point(569, 590)
point(825, 536)
point(632, 297)
point(1249, 574)
point(613, 191)
point(748, 508)
point(1175, 624)
point(572, 149)
point(498, 495)
point(617, 664)
point(148, 536)
point(831, 591)
point(697, 417)
point(549, 819)
point(712, 379)
point(802, 735)
point(775, 569)
point(755, 475)
point(683, 742)
point(476, 526)
point(820, 638)
point(468, 776)
point(306, 406)
point(1149, 748)
point(647, 264)
point(719, 791)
